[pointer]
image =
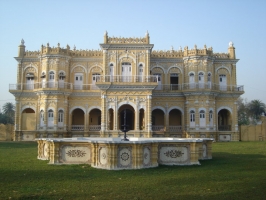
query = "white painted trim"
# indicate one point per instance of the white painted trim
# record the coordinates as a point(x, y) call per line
point(191, 72)
point(27, 106)
point(160, 108)
point(174, 67)
point(224, 107)
point(158, 67)
point(76, 107)
point(78, 66)
point(202, 109)
point(51, 109)
point(224, 68)
point(201, 72)
point(192, 109)
point(126, 56)
point(175, 107)
point(127, 103)
point(61, 109)
point(31, 65)
point(96, 66)
point(94, 107)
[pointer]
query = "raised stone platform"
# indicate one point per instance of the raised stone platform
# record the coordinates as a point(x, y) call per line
point(114, 154)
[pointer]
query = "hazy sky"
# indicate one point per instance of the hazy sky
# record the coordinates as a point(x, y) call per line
point(170, 23)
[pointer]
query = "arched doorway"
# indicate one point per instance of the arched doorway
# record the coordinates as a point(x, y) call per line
point(28, 119)
point(130, 117)
point(95, 120)
point(175, 120)
point(157, 120)
point(224, 120)
point(78, 120)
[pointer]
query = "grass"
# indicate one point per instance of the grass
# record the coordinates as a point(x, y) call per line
point(237, 171)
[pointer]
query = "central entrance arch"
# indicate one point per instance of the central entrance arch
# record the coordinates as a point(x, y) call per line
point(130, 116)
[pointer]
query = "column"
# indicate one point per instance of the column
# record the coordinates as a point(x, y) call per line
point(103, 114)
point(137, 119)
point(149, 120)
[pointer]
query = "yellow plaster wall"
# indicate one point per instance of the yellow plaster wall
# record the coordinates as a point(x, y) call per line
point(28, 121)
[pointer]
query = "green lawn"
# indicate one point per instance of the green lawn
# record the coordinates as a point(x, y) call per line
point(237, 171)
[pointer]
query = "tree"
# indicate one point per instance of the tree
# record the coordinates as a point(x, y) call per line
point(8, 113)
point(256, 108)
point(242, 111)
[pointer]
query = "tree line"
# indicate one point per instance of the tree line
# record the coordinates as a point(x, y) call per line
point(250, 112)
point(7, 114)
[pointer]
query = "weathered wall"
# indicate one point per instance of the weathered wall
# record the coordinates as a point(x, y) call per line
point(254, 132)
point(6, 132)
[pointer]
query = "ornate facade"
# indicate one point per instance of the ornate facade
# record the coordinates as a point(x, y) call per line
point(63, 92)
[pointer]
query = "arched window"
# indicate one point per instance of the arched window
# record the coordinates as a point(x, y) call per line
point(209, 81)
point(50, 118)
point(202, 118)
point(223, 82)
point(41, 118)
point(29, 81)
point(140, 77)
point(192, 118)
point(211, 118)
point(111, 67)
point(61, 82)
point(191, 80)
point(126, 72)
point(51, 79)
point(60, 118)
point(201, 80)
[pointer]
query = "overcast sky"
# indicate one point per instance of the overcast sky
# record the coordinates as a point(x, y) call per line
point(170, 23)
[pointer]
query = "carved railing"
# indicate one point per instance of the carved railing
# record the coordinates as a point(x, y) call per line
point(77, 128)
point(175, 128)
point(224, 127)
point(131, 79)
point(94, 127)
point(158, 128)
point(85, 87)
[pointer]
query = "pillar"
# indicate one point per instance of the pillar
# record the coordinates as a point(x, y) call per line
point(149, 116)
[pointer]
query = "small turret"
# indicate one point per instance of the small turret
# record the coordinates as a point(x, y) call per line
point(147, 37)
point(231, 51)
point(105, 38)
point(21, 48)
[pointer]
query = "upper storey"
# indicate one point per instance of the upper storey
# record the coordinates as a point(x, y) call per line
point(127, 63)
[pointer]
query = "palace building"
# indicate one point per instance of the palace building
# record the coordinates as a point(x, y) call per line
point(185, 93)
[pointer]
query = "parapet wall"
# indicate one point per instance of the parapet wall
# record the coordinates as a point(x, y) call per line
point(6, 132)
point(254, 132)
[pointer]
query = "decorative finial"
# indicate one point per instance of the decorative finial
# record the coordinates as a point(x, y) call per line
point(172, 48)
point(231, 44)
point(106, 33)
point(147, 33)
point(195, 46)
point(58, 44)
point(205, 47)
point(180, 48)
point(47, 44)
point(74, 48)
point(22, 41)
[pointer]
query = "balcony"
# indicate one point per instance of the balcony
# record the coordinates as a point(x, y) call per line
point(52, 85)
point(127, 79)
point(129, 82)
point(199, 86)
